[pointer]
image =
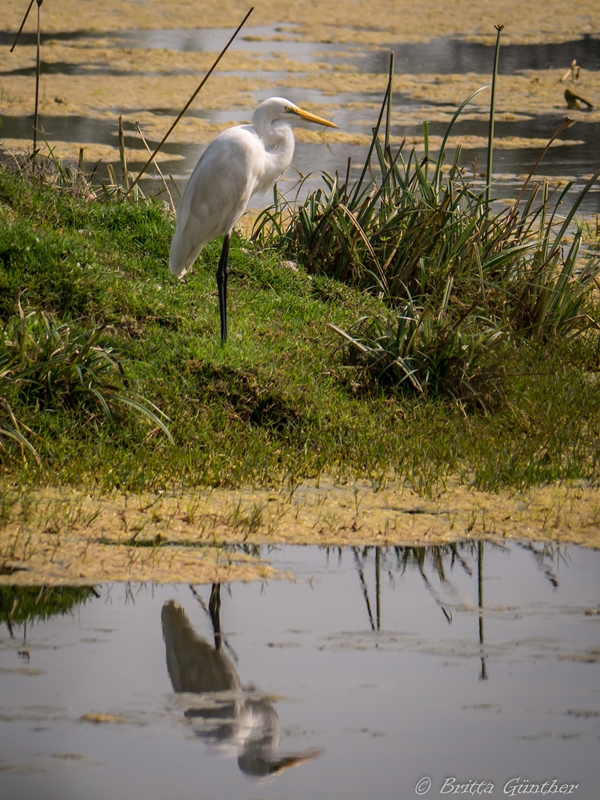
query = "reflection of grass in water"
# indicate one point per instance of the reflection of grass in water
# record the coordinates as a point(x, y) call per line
point(19, 605)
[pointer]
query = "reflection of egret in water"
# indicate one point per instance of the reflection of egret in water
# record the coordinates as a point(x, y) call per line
point(248, 725)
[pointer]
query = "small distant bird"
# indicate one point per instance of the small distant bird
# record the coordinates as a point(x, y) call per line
point(573, 100)
point(572, 72)
point(240, 162)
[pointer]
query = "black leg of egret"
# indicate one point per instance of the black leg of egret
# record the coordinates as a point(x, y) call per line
point(222, 273)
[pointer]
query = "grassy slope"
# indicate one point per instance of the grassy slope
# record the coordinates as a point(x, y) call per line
point(276, 402)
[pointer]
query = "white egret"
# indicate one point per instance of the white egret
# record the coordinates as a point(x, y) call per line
point(240, 162)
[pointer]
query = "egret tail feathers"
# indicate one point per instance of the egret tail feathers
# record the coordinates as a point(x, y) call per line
point(181, 256)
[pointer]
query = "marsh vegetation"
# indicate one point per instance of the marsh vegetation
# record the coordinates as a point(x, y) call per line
point(399, 326)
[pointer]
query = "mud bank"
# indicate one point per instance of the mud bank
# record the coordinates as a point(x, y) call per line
point(66, 537)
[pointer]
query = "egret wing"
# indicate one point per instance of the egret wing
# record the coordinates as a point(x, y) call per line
point(217, 193)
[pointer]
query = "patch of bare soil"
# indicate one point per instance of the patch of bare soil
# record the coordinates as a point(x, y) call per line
point(65, 537)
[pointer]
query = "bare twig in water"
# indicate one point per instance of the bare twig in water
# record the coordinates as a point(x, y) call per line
point(37, 65)
point(192, 98)
point(572, 72)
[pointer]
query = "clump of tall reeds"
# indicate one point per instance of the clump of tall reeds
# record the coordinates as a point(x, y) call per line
point(432, 351)
point(457, 279)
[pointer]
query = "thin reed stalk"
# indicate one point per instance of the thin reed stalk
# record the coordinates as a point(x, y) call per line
point(38, 67)
point(388, 116)
point(566, 123)
point(24, 20)
point(191, 100)
point(123, 156)
point(490, 152)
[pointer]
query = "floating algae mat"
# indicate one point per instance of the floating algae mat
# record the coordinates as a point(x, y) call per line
point(375, 673)
point(147, 75)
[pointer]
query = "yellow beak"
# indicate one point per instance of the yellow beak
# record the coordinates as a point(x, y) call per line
point(306, 115)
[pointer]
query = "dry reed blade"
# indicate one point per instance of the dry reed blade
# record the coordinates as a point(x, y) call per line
point(192, 98)
point(567, 121)
point(122, 155)
point(139, 130)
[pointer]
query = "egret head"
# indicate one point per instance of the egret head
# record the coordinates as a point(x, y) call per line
point(279, 108)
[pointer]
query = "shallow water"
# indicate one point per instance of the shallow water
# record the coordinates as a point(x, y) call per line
point(572, 162)
point(438, 56)
point(371, 671)
point(258, 39)
point(460, 56)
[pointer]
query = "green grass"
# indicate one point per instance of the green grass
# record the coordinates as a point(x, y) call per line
point(464, 286)
point(280, 401)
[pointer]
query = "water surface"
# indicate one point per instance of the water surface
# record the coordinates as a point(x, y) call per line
point(438, 56)
point(372, 670)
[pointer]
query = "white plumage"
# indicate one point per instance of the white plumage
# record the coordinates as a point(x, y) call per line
point(240, 162)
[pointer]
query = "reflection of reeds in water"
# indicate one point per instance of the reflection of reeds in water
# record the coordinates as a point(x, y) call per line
point(442, 559)
point(396, 560)
point(480, 550)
